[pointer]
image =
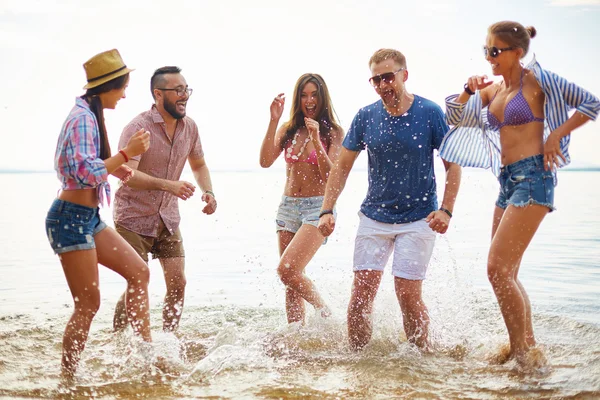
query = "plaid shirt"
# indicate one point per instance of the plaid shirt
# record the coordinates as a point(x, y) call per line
point(76, 159)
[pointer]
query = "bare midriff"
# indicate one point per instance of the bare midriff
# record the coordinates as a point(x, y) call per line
point(303, 180)
point(521, 141)
point(84, 197)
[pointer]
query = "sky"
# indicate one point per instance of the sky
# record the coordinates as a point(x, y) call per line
point(238, 55)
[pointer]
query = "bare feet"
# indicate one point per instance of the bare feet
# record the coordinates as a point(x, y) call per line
point(457, 352)
point(532, 361)
point(502, 355)
point(120, 317)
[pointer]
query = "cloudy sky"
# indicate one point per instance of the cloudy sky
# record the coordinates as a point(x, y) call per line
point(237, 55)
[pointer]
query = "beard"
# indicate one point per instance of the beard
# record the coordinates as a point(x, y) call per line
point(171, 108)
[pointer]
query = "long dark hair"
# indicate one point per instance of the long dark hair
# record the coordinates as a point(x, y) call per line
point(91, 96)
point(326, 115)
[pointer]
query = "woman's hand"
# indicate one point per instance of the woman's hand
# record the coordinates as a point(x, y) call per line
point(313, 128)
point(124, 173)
point(552, 152)
point(277, 107)
point(138, 144)
point(326, 224)
point(478, 82)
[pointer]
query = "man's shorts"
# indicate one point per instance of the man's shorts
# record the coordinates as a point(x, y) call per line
point(411, 242)
point(71, 226)
point(526, 182)
point(166, 245)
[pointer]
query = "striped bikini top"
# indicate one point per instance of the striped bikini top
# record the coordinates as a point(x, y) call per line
point(516, 112)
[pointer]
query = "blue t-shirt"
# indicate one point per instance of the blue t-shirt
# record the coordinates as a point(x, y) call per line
point(402, 184)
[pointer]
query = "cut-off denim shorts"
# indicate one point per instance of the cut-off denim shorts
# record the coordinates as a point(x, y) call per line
point(526, 182)
point(71, 226)
point(293, 212)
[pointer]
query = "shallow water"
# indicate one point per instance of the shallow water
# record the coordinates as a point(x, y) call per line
point(234, 341)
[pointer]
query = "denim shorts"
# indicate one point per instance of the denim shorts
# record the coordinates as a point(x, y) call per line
point(71, 226)
point(526, 182)
point(295, 211)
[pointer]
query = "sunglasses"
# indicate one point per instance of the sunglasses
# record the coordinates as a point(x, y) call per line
point(388, 78)
point(494, 51)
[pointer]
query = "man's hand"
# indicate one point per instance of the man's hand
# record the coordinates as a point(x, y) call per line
point(313, 128)
point(326, 224)
point(211, 203)
point(182, 189)
point(438, 221)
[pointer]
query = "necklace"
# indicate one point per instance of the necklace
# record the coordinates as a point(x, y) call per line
point(294, 141)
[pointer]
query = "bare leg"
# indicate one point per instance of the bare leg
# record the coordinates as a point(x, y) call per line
point(115, 253)
point(174, 271)
point(120, 321)
point(294, 303)
point(360, 309)
point(296, 256)
point(81, 270)
point(415, 315)
point(511, 238)
point(120, 317)
point(529, 336)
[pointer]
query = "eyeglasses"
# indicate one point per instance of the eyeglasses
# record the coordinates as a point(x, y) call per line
point(494, 51)
point(180, 90)
point(388, 78)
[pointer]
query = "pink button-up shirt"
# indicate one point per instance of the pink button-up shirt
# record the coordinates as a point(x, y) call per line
point(140, 211)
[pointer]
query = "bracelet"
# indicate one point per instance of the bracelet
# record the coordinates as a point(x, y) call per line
point(446, 211)
point(468, 90)
point(209, 192)
point(122, 152)
point(325, 212)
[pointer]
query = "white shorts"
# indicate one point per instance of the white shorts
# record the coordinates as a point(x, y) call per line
point(412, 244)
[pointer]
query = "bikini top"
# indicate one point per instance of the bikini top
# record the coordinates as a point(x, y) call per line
point(291, 158)
point(516, 112)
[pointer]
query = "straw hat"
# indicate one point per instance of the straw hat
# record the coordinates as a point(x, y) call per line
point(104, 67)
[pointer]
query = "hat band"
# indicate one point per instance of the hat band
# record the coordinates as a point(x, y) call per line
point(105, 75)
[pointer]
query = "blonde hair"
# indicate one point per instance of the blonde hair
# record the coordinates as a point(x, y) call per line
point(387, 54)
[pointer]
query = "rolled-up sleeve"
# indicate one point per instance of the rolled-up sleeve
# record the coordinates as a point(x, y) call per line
point(196, 148)
point(579, 98)
point(80, 151)
point(454, 110)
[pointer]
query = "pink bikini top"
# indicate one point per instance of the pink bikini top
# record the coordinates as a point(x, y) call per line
point(311, 159)
point(516, 112)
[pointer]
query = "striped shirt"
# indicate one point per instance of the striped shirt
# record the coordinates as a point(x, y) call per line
point(472, 142)
point(76, 160)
